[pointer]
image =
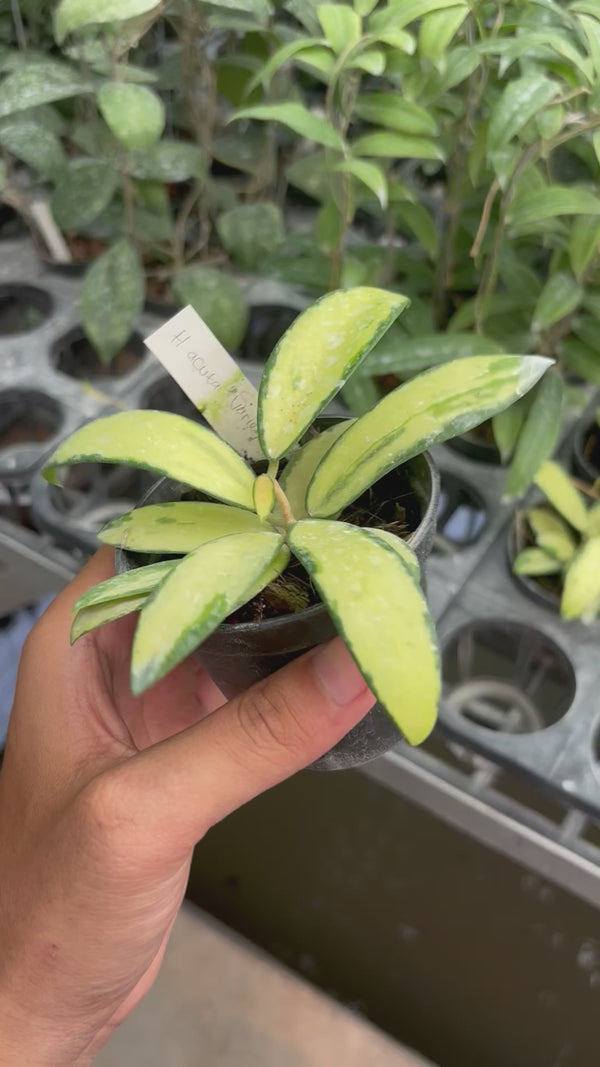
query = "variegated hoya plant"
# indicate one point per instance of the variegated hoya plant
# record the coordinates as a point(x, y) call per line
point(220, 555)
point(567, 543)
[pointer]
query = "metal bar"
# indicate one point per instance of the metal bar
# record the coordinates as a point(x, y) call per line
point(549, 858)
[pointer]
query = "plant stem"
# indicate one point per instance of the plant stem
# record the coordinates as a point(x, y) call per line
point(284, 504)
point(273, 468)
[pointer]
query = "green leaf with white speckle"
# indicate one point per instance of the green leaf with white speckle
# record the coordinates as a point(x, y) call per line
point(38, 147)
point(134, 113)
point(165, 444)
point(391, 637)
point(217, 298)
point(195, 598)
point(86, 188)
point(112, 298)
point(439, 404)
point(73, 15)
point(315, 356)
point(39, 82)
point(177, 527)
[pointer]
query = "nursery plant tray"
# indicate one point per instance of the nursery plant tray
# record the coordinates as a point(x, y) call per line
point(469, 585)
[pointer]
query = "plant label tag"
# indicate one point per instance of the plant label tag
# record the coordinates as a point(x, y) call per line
point(210, 378)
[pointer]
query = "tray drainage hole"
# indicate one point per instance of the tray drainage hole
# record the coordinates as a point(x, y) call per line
point(462, 515)
point(74, 355)
point(504, 676)
point(27, 417)
point(166, 395)
point(23, 308)
point(496, 706)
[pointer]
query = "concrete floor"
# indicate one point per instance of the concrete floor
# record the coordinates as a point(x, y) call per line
point(219, 1002)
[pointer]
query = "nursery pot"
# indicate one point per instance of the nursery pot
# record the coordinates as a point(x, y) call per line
point(533, 587)
point(586, 451)
point(237, 656)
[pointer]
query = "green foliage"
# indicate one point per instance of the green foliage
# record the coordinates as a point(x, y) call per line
point(218, 300)
point(112, 297)
point(134, 114)
point(228, 554)
point(565, 536)
point(251, 231)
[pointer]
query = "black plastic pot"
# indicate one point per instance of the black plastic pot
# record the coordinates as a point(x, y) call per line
point(237, 656)
point(266, 325)
point(93, 495)
point(586, 451)
point(475, 447)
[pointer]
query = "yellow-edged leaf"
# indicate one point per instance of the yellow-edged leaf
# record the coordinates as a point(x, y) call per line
point(176, 528)
point(195, 598)
point(439, 404)
point(314, 357)
point(379, 609)
point(164, 443)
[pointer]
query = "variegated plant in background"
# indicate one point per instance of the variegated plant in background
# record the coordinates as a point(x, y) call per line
point(566, 532)
point(220, 555)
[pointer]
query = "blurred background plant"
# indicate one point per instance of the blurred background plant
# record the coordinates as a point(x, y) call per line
point(444, 148)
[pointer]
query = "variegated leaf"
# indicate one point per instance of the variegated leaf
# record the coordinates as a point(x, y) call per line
point(164, 443)
point(177, 528)
point(195, 598)
point(315, 356)
point(378, 608)
point(439, 404)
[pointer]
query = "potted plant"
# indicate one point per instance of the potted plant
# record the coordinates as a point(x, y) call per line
point(489, 218)
point(556, 546)
point(132, 202)
point(227, 553)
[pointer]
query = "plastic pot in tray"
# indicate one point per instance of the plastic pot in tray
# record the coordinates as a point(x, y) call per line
point(546, 589)
point(73, 355)
point(236, 656)
point(93, 495)
point(586, 451)
point(30, 423)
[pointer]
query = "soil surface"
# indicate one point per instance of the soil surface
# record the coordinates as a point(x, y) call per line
point(293, 591)
point(24, 420)
point(76, 357)
point(20, 312)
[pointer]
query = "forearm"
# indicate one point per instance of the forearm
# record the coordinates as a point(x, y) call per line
point(27, 1039)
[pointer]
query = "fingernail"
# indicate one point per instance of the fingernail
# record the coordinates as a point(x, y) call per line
point(338, 673)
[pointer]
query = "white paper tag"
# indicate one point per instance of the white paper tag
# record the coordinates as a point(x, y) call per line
point(210, 378)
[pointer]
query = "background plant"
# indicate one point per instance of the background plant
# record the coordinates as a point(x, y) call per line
point(122, 130)
point(566, 535)
point(470, 130)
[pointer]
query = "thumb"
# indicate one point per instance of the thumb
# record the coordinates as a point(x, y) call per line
point(280, 725)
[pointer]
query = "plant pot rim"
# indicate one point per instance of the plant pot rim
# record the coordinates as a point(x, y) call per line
point(583, 466)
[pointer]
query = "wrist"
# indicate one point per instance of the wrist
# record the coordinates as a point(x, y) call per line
point(28, 1039)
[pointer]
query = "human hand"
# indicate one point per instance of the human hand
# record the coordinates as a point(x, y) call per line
point(102, 799)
